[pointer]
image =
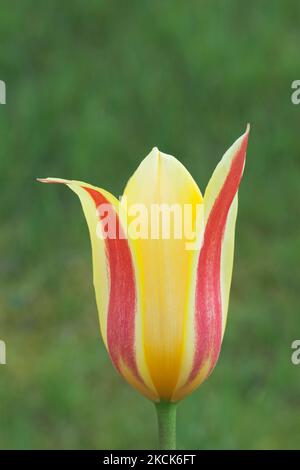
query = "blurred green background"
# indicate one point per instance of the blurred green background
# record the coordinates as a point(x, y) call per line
point(91, 88)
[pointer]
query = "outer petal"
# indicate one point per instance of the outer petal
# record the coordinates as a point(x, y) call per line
point(114, 282)
point(214, 266)
point(163, 265)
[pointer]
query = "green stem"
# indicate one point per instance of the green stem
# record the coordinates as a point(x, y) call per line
point(166, 419)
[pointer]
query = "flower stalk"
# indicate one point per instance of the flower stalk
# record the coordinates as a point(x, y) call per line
point(166, 420)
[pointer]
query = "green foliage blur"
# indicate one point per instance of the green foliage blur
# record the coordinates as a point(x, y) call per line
point(91, 88)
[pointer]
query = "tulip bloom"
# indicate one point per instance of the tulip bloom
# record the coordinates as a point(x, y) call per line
point(163, 307)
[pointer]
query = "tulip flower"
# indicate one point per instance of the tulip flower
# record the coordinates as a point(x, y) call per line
point(162, 306)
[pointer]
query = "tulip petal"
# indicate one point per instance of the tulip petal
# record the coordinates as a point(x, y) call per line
point(163, 265)
point(214, 268)
point(114, 281)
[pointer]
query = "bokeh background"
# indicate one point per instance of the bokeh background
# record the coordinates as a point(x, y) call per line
point(91, 88)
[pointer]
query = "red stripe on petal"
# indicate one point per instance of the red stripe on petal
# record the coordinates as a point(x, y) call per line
point(208, 308)
point(122, 300)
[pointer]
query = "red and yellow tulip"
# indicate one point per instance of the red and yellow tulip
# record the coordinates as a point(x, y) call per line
point(163, 307)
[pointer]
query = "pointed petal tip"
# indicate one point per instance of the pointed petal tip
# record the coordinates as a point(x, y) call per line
point(52, 180)
point(243, 139)
point(158, 155)
point(246, 133)
point(154, 153)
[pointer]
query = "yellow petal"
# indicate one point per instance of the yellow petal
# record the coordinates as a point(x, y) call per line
point(164, 266)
